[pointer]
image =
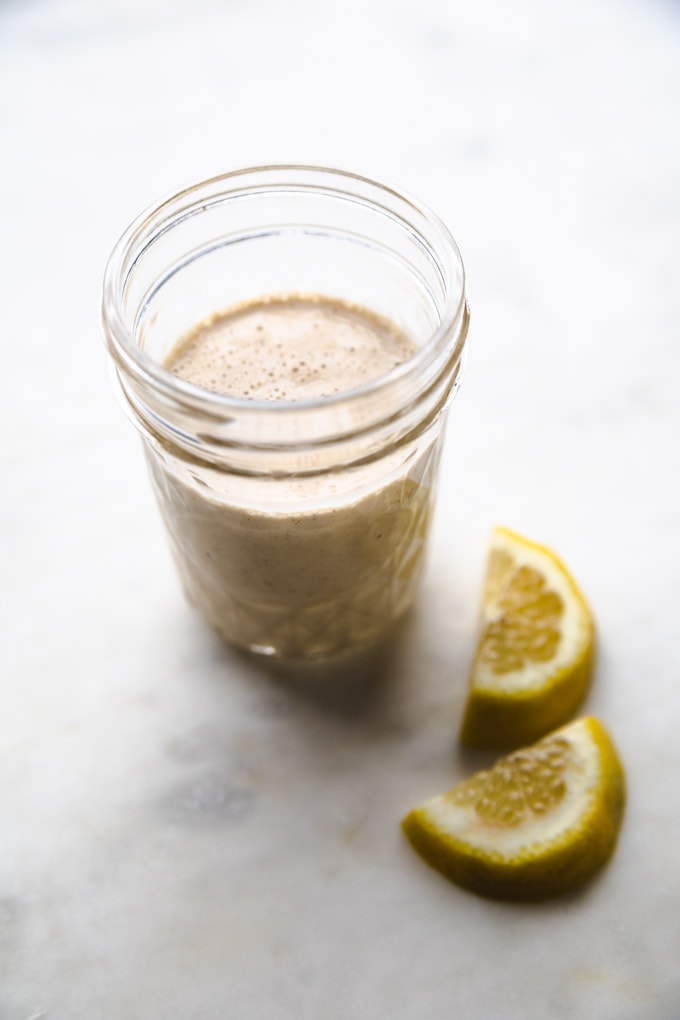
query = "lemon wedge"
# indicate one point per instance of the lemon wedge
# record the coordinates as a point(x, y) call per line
point(541, 822)
point(535, 654)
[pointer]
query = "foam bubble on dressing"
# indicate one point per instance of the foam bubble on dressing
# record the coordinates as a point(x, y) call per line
point(289, 348)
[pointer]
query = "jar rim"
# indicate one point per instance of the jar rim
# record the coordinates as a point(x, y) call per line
point(162, 215)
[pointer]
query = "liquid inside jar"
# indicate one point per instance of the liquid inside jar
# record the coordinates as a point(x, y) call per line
point(299, 567)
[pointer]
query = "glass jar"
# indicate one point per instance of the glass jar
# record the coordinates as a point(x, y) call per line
point(298, 527)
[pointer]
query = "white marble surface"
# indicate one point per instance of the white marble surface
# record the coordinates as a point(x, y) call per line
point(183, 834)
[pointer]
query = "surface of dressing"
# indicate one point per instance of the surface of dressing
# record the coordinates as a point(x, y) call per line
point(292, 348)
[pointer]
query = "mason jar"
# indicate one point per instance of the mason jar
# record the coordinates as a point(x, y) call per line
point(298, 527)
